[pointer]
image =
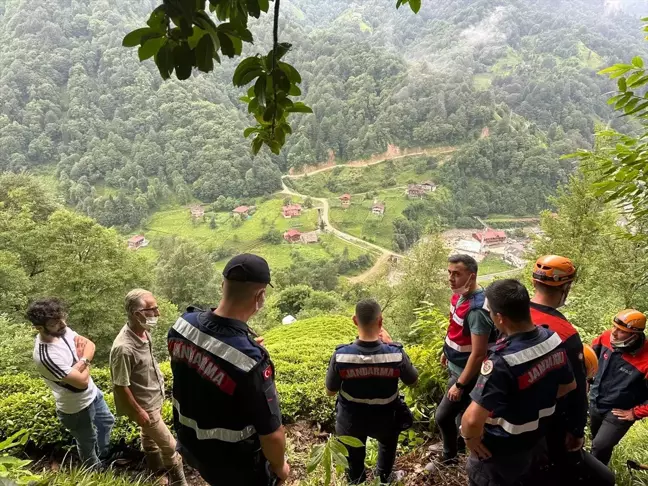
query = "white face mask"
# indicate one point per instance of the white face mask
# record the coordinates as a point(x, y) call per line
point(150, 323)
point(626, 343)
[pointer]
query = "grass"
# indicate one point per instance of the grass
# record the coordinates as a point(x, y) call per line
point(493, 264)
point(357, 180)
point(357, 220)
point(483, 81)
point(506, 65)
point(247, 236)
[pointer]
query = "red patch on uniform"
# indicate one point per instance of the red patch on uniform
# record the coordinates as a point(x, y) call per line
point(541, 368)
point(267, 373)
point(366, 372)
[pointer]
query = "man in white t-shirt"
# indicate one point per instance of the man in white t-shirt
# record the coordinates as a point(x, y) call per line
point(63, 359)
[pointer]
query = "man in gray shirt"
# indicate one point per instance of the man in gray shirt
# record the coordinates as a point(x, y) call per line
point(139, 386)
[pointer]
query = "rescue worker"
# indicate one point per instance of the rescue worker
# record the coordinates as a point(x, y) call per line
point(552, 277)
point(619, 394)
point(465, 348)
point(552, 280)
point(225, 406)
point(365, 376)
point(516, 393)
point(138, 384)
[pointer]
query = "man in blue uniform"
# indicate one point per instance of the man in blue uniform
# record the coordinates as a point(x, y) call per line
point(365, 374)
point(516, 393)
point(225, 405)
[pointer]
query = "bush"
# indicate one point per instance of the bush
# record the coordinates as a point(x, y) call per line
point(28, 403)
point(273, 237)
point(301, 367)
point(19, 383)
point(35, 412)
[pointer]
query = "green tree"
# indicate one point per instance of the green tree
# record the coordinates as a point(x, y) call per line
point(611, 262)
point(185, 274)
point(212, 222)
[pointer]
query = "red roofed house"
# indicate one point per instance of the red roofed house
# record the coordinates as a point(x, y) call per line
point(137, 242)
point(490, 237)
point(292, 236)
point(345, 199)
point(292, 211)
point(378, 209)
point(242, 211)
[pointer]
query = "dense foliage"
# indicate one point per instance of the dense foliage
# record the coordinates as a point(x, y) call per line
point(123, 142)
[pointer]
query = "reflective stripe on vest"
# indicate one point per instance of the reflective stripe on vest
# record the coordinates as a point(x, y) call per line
point(369, 401)
point(522, 428)
point(533, 352)
point(226, 435)
point(214, 346)
point(369, 358)
point(462, 349)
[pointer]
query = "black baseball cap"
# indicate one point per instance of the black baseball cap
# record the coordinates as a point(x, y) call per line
point(247, 267)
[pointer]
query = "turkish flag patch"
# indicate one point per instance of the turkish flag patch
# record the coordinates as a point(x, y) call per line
point(267, 373)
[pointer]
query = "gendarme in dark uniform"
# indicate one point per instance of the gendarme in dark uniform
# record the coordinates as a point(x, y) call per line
point(516, 393)
point(224, 392)
point(365, 374)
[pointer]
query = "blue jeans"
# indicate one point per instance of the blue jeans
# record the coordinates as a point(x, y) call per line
point(90, 428)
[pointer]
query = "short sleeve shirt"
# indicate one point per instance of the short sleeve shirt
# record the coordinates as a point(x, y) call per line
point(54, 361)
point(132, 364)
point(479, 324)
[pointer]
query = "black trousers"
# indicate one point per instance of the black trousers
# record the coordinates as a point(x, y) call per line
point(379, 426)
point(242, 470)
point(448, 418)
point(509, 469)
point(607, 432)
point(568, 468)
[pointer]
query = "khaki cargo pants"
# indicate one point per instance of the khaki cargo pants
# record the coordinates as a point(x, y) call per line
point(156, 437)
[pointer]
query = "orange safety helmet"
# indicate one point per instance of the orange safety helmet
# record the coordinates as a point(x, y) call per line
point(591, 361)
point(630, 320)
point(554, 270)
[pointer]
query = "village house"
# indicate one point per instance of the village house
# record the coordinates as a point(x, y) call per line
point(490, 237)
point(307, 238)
point(242, 211)
point(197, 212)
point(345, 200)
point(136, 242)
point(428, 186)
point(292, 211)
point(292, 236)
point(415, 191)
point(378, 209)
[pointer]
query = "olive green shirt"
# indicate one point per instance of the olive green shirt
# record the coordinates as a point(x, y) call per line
point(132, 364)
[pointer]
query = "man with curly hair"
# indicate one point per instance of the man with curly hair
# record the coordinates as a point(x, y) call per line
point(63, 359)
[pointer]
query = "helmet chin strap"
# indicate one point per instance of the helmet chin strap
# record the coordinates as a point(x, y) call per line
point(630, 344)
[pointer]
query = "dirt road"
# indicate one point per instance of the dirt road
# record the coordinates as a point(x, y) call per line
point(367, 163)
point(359, 242)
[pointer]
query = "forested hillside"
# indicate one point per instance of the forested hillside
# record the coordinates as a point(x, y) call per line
point(76, 104)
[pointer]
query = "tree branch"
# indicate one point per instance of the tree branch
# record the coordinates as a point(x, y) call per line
point(275, 45)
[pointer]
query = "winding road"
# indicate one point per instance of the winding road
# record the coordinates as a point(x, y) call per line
point(324, 205)
point(384, 253)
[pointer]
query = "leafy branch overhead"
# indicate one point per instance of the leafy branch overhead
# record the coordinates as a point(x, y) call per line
point(182, 35)
point(623, 159)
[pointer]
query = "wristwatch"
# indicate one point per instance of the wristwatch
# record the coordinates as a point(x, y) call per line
point(86, 361)
point(459, 385)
